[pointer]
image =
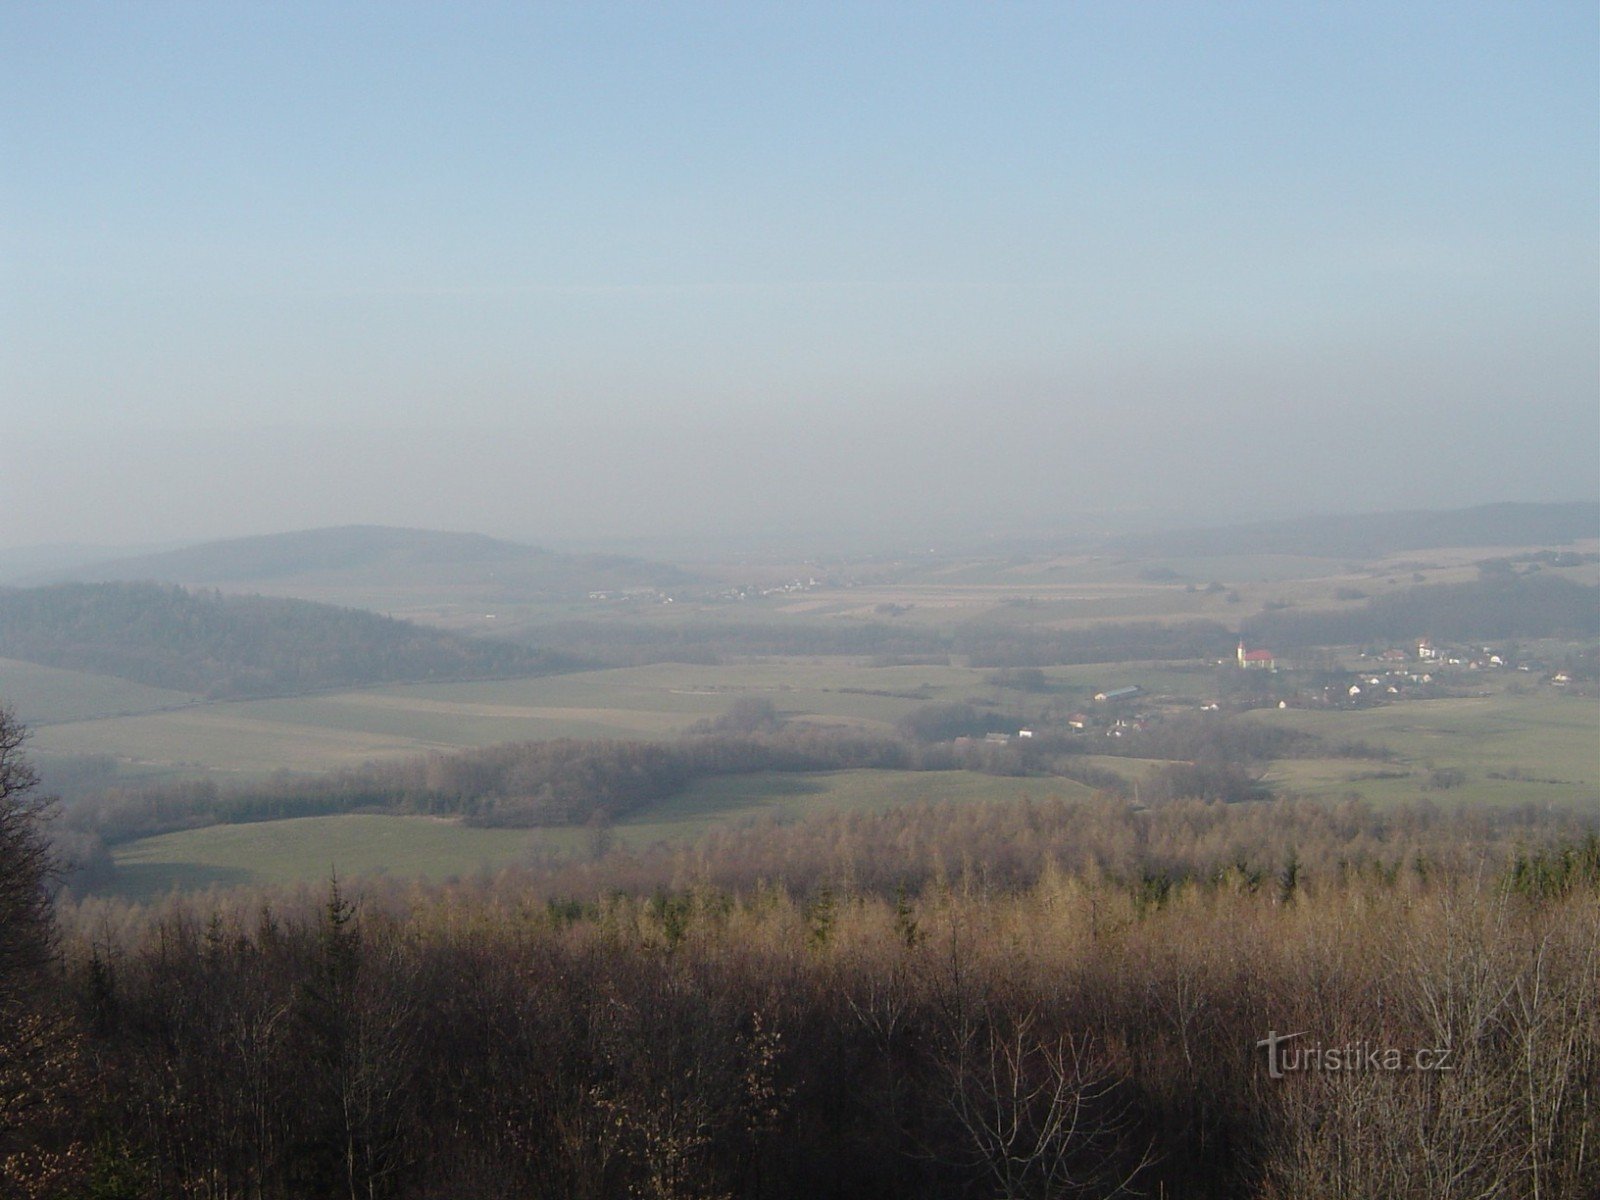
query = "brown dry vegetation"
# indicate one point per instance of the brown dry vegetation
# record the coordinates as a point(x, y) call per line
point(1014, 1000)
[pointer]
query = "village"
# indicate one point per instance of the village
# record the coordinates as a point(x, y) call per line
point(1359, 680)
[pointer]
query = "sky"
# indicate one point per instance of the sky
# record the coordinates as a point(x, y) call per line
point(599, 273)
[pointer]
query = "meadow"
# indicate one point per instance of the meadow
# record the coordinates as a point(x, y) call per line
point(1501, 747)
point(1517, 742)
point(243, 739)
point(357, 845)
point(44, 696)
point(324, 732)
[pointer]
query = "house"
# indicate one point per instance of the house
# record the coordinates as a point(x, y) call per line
point(1426, 648)
point(1122, 693)
point(1256, 660)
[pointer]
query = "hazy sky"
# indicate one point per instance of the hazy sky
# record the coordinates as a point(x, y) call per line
point(596, 270)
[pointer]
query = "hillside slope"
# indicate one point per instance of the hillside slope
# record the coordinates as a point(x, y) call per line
point(379, 557)
point(1374, 535)
point(228, 647)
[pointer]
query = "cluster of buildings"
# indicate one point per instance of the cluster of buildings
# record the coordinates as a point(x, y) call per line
point(645, 595)
point(746, 591)
point(750, 591)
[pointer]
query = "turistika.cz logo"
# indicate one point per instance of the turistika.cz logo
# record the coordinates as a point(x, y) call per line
point(1286, 1054)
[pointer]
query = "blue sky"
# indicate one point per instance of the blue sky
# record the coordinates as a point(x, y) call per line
point(589, 271)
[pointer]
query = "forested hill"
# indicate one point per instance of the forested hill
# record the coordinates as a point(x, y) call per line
point(1373, 535)
point(380, 556)
point(1499, 607)
point(228, 647)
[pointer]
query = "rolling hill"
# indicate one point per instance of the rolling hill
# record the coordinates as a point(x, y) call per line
point(1374, 535)
point(230, 647)
point(378, 559)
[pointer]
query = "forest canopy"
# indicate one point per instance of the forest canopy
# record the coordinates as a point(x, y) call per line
point(234, 647)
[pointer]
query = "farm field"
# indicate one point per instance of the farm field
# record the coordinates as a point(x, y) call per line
point(342, 729)
point(1519, 742)
point(1545, 747)
point(308, 849)
point(1529, 739)
point(1397, 783)
point(43, 695)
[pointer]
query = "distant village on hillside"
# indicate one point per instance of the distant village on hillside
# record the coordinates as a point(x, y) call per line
point(1425, 670)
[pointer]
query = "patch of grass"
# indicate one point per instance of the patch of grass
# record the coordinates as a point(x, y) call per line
point(1252, 568)
point(1333, 778)
point(1522, 739)
point(221, 739)
point(311, 848)
point(343, 729)
point(46, 695)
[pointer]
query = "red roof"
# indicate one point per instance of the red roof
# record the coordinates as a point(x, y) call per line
point(1259, 656)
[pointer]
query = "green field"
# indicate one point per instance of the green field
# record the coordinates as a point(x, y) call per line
point(343, 729)
point(312, 848)
point(1524, 743)
point(1544, 746)
point(46, 696)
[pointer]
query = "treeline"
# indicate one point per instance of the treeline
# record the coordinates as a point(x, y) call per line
point(1521, 606)
point(572, 781)
point(993, 645)
point(912, 1014)
point(228, 647)
point(385, 557)
point(706, 640)
point(980, 644)
point(565, 781)
point(1011, 846)
point(1374, 535)
point(1217, 737)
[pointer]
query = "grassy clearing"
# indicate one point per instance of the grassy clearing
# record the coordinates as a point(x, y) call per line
point(1156, 680)
point(343, 729)
point(47, 696)
point(312, 848)
point(1548, 733)
point(1548, 743)
point(1249, 568)
point(226, 740)
point(1398, 783)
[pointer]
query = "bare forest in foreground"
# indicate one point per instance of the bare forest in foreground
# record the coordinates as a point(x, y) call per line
point(1012, 1000)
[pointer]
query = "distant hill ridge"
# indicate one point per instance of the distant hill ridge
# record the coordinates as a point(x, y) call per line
point(233, 647)
point(1374, 535)
point(378, 553)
